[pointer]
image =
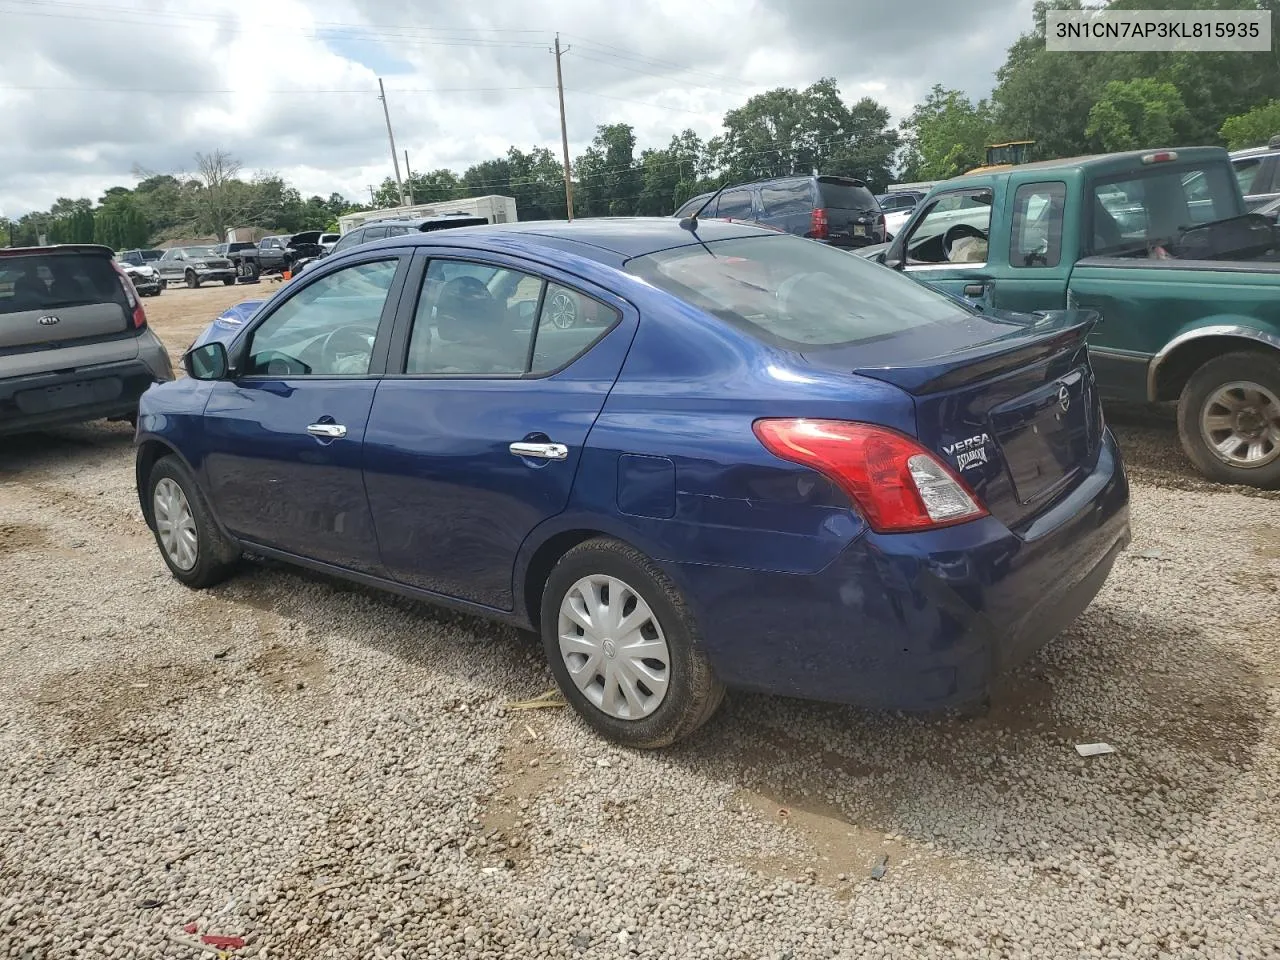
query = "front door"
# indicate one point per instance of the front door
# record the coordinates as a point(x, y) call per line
point(946, 246)
point(476, 438)
point(285, 437)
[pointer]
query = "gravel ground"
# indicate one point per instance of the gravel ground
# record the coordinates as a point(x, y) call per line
point(328, 772)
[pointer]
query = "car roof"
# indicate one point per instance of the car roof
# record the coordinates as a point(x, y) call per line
point(604, 239)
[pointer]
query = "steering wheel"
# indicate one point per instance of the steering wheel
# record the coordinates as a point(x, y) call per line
point(342, 343)
point(955, 232)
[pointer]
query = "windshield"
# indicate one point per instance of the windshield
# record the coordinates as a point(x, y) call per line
point(199, 251)
point(794, 292)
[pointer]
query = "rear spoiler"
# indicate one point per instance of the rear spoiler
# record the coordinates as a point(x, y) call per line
point(1047, 335)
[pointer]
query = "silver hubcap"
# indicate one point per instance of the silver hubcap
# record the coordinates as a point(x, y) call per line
point(563, 311)
point(1241, 424)
point(175, 524)
point(614, 647)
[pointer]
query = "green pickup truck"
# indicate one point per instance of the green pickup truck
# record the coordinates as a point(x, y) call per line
point(1186, 284)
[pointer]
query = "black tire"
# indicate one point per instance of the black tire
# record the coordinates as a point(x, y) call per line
point(193, 280)
point(216, 556)
point(251, 271)
point(1256, 367)
point(228, 281)
point(693, 693)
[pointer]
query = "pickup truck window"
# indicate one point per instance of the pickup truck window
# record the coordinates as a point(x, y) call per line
point(1037, 225)
point(1135, 215)
point(953, 229)
point(1247, 170)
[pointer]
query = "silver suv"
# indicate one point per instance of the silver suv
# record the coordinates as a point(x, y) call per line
point(74, 340)
point(194, 266)
point(1258, 171)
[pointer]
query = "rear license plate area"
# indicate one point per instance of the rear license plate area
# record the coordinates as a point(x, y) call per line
point(1044, 435)
point(64, 396)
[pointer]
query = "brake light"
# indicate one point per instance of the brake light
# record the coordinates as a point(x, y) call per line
point(1164, 156)
point(895, 482)
point(138, 316)
point(818, 224)
point(880, 221)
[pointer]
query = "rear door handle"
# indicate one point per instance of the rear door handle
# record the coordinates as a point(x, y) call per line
point(540, 451)
point(974, 289)
point(329, 431)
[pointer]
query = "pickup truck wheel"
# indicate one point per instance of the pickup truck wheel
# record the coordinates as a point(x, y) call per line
point(1229, 419)
point(250, 271)
point(193, 281)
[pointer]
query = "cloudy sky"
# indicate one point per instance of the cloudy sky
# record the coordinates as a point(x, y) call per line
point(92, 89)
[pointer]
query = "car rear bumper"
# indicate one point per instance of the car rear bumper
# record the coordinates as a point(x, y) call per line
point(915, 621)
point(88, 392)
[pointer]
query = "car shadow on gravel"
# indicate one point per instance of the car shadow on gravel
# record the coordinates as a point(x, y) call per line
point(1009, 780)
point(28, 452)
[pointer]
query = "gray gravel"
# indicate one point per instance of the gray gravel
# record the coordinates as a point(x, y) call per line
point(331, 773)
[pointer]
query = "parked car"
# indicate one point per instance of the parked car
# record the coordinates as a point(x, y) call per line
point(146, 279)
point(74, 340)
point(897, 209)
point(277, 254)
point(778, 467)
point(138, 258)
point(398, 227)
point(194, 266)
point(1158, 242)
point(837, 210)
point(1258, 171)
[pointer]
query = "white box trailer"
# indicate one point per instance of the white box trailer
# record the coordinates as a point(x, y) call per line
point(495, 209)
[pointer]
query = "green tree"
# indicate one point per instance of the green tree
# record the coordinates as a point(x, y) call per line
point(1133, 114)
point(946, 135)
point(670, 176)
point(1252, 129)
point(609, 180)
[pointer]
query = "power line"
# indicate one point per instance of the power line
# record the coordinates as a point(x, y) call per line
point(622, 53)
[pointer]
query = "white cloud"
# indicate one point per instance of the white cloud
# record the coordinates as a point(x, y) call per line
point(91, 90)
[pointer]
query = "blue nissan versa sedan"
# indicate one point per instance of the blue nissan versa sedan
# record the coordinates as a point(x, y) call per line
point(763, 463)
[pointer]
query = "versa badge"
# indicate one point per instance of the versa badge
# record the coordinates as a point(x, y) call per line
point(969, 453)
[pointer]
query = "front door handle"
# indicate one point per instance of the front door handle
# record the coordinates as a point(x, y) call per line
point(328, 431)
point(974, 289)
point(540, 451)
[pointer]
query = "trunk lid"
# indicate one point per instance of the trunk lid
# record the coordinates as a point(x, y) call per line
point(1007, 402)
point(52, 297)
point(852, 210)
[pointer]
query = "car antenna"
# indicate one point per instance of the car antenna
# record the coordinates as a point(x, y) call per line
point(690, 222)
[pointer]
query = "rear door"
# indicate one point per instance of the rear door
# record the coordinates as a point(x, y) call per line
point(852, 212)
point(787, 205)
point(172, 265)
point(285, 438)
point(61, 300)
point(475, 439)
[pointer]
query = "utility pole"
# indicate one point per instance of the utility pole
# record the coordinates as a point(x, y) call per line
point(408, 178)
point(395, 161)
point(564, 132)
point(373, 201)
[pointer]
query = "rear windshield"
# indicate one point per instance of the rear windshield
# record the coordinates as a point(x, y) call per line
point(1139, 212)
point(846, 196)
point(795, 293)
point(45, 282)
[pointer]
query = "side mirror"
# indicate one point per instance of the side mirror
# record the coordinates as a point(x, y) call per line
point(208, 361)
point(892, 262)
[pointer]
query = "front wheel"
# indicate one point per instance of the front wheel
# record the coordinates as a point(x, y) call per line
point(1229, 419)
point(623, 646)
point(228, 281)
point(193, 280)
point(194, 549)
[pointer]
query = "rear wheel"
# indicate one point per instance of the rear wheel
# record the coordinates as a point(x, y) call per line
point(250, 270)
point(193, 548)
point(193, 280)
point(623, 646)
point(1229, 419)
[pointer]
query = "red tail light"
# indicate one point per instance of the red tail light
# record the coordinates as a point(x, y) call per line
point(896, 483)
point(818, 224)
point(138, 315)
point(880, 221)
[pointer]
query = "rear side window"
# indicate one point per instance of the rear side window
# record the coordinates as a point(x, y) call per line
point(842, 195)
point(782, 199)
point(569, 324)
point(735, 204)
point(1037, 225)
point(374, 233)
point(1131, 216)
point(58, 280)
point(793, 293)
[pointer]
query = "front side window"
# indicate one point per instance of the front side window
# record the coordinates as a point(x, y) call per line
point(1247, 170)
point(794, 293)
point(1037, 225)
point(327, 328)
point(954, 229)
